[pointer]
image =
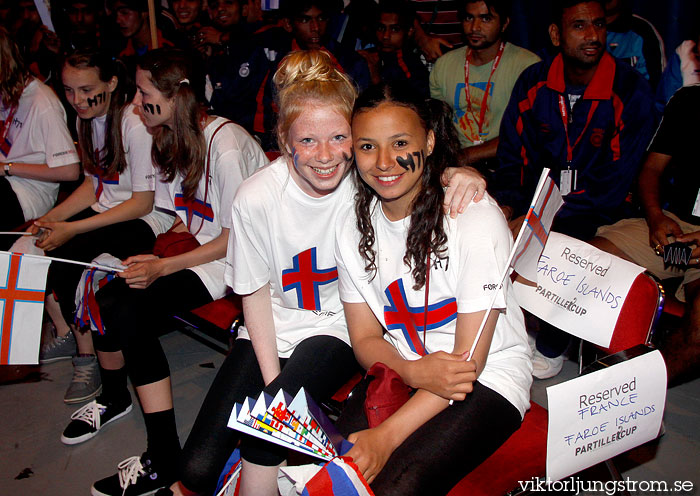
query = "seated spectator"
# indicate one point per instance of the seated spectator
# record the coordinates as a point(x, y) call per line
point(304, 27)
point(682, 70)
point(190, 18)
point(226, 18)
point(131, 17)
point(79, 25)
point(111, 212)
point(38, 45)
point(201, 159)
point(393, 59)
point(36, 149)
point(413, 256)
point(306, 22)
point(635, 40)
point(281, 218)
point(669, 188)
point(238, 75)
point(477, 80)
point(588, 117)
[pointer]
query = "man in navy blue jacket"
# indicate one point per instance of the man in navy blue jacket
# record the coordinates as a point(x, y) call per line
point(586, 116)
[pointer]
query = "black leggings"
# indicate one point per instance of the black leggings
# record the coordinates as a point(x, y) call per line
point(12, 216)
point(120, 240)
point(442, 451)
point(321, 364)
point(135, 318)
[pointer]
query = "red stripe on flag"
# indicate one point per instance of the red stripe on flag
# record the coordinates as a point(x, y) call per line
point(10, 294)
point(320, 484)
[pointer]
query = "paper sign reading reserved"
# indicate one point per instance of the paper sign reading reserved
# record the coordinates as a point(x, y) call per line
point(605, 413)
point(580, 289)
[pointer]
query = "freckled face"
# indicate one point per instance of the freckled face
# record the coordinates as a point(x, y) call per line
point(156, 108)
point(320, 149)
point(390, 146)
point(86, 93)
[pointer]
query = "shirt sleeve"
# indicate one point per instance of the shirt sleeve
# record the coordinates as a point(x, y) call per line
point(51, 130)
point(347, 288)
point(137, 145)
point(483, 242)
point(668, 130)
point(247, 267)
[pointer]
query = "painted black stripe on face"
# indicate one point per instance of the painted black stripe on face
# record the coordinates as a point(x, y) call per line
point(149, 108)
point(410, 162)
point(97, 99)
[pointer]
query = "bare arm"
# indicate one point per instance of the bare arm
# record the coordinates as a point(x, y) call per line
point(474, 154)
point(144, 269)
point(257, 308)
point(140, 203)
point(42, 172)
point(660, 225)
point(431, 46)
point(79, 200)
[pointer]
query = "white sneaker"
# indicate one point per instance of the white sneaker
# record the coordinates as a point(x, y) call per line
point(544, 367)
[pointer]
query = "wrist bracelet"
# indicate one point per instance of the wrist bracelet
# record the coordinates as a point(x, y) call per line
point(7, 168)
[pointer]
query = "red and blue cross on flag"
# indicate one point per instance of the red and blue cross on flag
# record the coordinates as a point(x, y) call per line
point(192, 208)
point(409, 320)
point(306, 278)
point(22, 287)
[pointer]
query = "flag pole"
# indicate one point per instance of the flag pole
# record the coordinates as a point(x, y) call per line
point(75, 262)
point(152, 23)
point(15, 233)
point(508, 268)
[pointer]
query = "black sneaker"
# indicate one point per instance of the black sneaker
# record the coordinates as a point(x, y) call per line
point(87, 421)
point(136, 476)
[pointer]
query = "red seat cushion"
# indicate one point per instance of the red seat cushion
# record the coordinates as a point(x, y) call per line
point(221, 312)
point(520, 458)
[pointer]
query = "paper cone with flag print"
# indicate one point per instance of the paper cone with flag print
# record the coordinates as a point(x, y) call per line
point(22, 288)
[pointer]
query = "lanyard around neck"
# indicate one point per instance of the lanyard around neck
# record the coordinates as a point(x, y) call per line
point(564, 111)
point(494, 66)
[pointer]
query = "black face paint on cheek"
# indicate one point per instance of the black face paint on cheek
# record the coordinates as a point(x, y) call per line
point(148, 108)
point(97, 99)
point(157, 109)
point(410, 162)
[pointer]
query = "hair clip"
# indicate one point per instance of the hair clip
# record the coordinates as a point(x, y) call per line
point(184, 81)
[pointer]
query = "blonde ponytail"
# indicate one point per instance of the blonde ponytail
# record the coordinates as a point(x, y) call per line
point(309, 77)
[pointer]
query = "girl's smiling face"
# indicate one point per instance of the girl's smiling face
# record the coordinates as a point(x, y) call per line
point(156, 108)
point(391, 145)
point(86, 92)
point(320, 148)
